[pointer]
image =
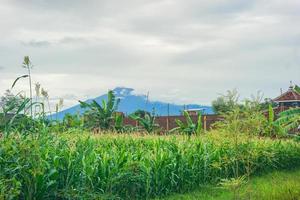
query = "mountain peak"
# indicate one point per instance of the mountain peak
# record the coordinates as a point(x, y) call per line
point(123, 91)
point(131, 102)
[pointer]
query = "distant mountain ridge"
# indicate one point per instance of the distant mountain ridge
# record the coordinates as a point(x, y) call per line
point(131, 102)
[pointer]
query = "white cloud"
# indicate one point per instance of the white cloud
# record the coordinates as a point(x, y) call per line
point(180, 51)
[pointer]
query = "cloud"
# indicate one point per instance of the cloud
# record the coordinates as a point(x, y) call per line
point(180, 51)
point(72, 40)
point(34, 43)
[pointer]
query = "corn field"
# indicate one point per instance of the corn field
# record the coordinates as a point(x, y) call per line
point(110, 166)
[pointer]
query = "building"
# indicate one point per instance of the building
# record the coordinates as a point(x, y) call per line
point(289, 99)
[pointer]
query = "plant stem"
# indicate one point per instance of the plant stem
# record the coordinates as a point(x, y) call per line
point(30, 88)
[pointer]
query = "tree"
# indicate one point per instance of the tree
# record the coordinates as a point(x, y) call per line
point(101, 116)
point(13, 108)
point(266, 104)
point(71, 121)
point(289, 119)
point(297, 88)
point(145, 119)
point(10, 99)
point(272, 128)
point(119, 123)
point(227, 102)
point(141, 113)
point(189, 127)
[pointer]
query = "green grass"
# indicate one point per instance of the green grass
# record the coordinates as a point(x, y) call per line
point(278, 185)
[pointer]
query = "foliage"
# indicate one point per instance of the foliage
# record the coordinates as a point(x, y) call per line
point(189, 127)
point(226, 102)
point(72, 121)
point(264, 119)
point(141, 113)
point(251, 118)
point(146, 120)
point(97, 116)
point(35, 163)
point(234, 185)
point(273, 129)
point(10, 99)
point(266, 104)
point(289, 119)
point(17, 79)
point(119, 122)
point(119, 125)
point(77, 166)
point(245, 121)
point(297, 88)
point(13, 109)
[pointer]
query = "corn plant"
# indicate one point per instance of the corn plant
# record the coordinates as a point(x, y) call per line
point(28, 65)
point(58, 106)
point(78, 166)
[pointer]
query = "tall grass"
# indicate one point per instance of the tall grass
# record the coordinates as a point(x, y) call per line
point(130, 167)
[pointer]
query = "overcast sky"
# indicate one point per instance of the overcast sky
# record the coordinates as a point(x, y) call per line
point(182, 51)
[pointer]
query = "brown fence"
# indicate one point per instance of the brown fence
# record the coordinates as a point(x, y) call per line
point(168, 122)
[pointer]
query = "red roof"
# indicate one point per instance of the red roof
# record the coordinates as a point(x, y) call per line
point(290, 95)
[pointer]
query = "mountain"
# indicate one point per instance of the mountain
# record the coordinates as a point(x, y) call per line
point(131, 102)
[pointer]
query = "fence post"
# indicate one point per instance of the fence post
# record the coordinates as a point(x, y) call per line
point(168, 123)
point(204, 122)
point(168, 117)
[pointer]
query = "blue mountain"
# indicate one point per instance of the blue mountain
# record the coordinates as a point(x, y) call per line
point(131, 102)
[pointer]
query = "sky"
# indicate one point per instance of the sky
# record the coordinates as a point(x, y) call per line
point(180, 51)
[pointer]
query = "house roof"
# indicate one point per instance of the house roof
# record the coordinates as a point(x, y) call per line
point(289, 96)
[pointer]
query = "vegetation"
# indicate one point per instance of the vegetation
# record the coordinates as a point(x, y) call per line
point(11, 112)
point(189, 127)
point(45, 158)
point(276, 185)
point(71, 121)
point(28, 65)
point(226, 102)
point(97, 116)
point(78, 166)
point(289, 119)
point(146, 120)
point(272, 128)
point(297, 88)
